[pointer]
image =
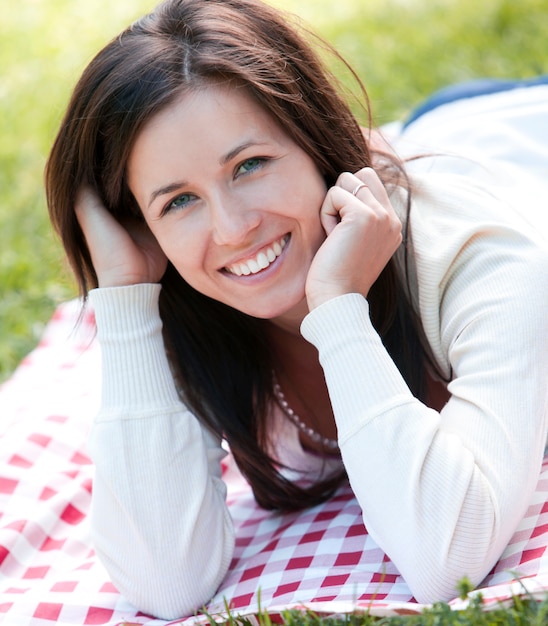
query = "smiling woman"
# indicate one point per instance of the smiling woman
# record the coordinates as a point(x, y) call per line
point(246, 190)
point(266, 272)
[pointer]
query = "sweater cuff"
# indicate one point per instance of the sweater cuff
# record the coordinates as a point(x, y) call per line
point(332, 317)
point(136, 371)
point(362, 379)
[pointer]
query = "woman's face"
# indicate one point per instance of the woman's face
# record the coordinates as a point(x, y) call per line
point(232, 200)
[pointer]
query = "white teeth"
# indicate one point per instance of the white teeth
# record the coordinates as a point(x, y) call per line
point(261, 261)
point(253, 266)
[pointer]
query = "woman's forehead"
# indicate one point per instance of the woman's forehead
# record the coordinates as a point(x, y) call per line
point(212, 116)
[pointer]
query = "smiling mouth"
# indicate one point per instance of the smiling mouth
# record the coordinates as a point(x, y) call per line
point(261, 261)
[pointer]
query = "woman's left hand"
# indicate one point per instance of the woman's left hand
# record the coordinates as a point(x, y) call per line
point(363, 232)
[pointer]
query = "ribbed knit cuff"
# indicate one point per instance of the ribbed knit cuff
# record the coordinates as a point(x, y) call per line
point(333, 317)
point(362, 379)
point(136, 372)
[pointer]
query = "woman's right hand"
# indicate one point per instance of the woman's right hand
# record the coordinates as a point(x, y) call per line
point(121, 254)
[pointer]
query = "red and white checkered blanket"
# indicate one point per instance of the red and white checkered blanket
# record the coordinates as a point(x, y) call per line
point(321, 558)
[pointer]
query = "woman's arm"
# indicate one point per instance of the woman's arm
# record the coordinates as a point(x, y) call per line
point(160, 523)
point(442, 493)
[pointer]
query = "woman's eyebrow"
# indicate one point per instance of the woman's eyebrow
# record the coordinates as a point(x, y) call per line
point(239, 148)
point(162, 191)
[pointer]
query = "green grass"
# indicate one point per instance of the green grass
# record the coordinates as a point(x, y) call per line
point(43, 47)
point(520, 610)
point(402, 49)
point(519, 613)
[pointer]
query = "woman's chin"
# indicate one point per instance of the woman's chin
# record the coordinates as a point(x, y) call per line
point(281, 310)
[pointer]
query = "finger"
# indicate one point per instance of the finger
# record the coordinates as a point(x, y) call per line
point(362, 188)
point(358, 204)
point(87, 207)
point(94, 218)
point(365, 184)
point(369, 177)
point(86, 199)
point(330, 210)
point(358, 188)
point(374, 189)
point(102, 232)
point(338, 205)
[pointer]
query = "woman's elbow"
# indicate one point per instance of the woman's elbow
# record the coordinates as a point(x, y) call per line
point(442, 582)
point(170, 583)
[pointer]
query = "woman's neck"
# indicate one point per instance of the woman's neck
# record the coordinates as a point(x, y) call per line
point(301, 378)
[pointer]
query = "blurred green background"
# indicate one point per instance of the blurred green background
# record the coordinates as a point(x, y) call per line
point(402, 50)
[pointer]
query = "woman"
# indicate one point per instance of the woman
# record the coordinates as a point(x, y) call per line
point(242, 241)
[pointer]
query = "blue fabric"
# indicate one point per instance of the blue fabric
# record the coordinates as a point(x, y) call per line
point(470, 89)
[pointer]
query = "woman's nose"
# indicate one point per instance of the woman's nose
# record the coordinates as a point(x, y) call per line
point(231, 221)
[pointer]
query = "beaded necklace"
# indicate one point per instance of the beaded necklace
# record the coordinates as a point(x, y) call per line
point(316, 437)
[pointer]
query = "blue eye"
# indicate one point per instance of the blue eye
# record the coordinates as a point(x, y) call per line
point(250, 165)
point(180, 202)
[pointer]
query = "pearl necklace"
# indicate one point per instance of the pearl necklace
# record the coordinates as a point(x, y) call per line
point(330, 444)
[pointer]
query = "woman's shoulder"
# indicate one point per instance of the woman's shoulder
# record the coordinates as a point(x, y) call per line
point(451, 203)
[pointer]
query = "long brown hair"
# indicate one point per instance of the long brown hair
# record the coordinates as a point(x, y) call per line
point(221, 357)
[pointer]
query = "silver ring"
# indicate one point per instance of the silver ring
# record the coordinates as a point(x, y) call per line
point(357, 189)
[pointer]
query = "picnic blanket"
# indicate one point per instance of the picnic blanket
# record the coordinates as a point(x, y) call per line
point(322, 557)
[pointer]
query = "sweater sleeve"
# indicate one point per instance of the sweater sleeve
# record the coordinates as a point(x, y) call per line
point(160, 523)
point(442, 493)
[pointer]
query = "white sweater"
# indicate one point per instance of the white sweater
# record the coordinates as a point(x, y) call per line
point(441, 493)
